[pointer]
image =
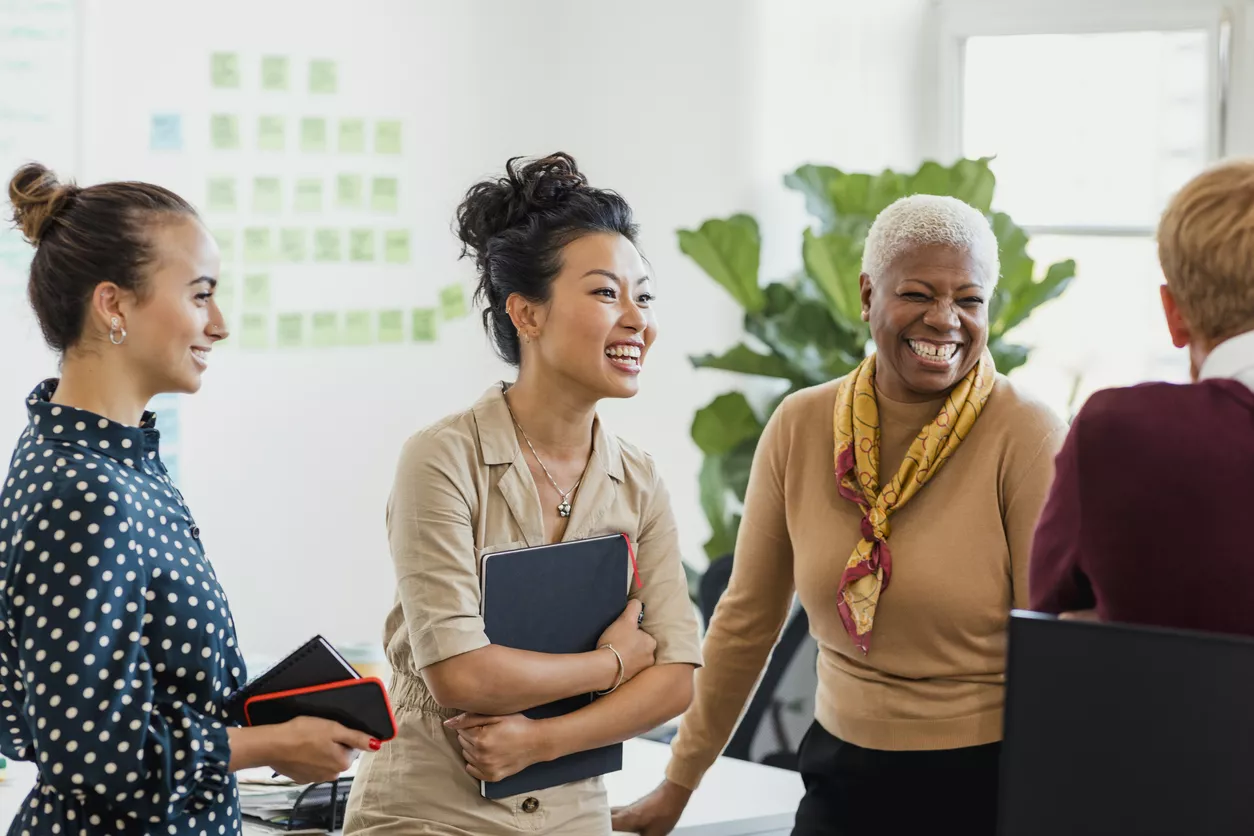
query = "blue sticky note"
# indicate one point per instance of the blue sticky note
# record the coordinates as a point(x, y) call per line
point(167, 132)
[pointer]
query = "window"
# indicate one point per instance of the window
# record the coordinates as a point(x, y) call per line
point(1094, 116)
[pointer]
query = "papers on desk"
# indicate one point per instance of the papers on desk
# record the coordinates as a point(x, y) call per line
point(270, 802)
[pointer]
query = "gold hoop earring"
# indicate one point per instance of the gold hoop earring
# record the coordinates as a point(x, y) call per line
point(117, 333)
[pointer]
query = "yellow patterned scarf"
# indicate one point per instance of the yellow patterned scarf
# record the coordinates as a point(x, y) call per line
point(857, 422)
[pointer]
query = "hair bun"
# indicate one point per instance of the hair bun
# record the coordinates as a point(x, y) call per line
point(494, 206)
point(38, 198)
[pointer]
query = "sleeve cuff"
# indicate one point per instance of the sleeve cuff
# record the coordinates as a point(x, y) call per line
point(448, 640)
point(685, 773)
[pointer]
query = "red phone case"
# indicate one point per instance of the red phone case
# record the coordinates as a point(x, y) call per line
point(375, 682)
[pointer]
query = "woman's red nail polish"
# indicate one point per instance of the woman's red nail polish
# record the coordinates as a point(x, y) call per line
point(375, 745)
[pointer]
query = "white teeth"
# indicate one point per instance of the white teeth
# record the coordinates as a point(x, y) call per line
point(933, 351)
point(627, 352)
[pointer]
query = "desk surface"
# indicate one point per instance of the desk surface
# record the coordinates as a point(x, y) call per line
point(737, 798)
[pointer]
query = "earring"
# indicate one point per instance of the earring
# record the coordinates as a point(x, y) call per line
point(117, 334)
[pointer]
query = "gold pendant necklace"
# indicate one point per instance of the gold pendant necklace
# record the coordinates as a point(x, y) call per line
point(563, 507)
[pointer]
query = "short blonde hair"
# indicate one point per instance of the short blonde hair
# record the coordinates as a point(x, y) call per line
point(925, 219)
point(1206, 248)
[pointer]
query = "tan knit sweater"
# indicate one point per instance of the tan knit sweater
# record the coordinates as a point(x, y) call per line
point(934, 676)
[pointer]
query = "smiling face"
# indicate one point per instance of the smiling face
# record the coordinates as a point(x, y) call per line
point(929, 320)
point(173, 324)
point(596, 328)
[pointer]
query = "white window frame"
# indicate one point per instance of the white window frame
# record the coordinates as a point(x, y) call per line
point(1230, 128)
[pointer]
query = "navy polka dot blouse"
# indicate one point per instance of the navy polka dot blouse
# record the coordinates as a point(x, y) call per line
point(117, 648)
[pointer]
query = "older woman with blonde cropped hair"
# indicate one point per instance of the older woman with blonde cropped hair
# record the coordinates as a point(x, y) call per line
point(1165, 472)
point(899, 503)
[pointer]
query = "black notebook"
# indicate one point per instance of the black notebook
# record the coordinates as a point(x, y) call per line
point(316, 662)
point(556, 599)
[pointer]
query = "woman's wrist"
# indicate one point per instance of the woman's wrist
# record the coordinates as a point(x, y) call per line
point(606, 666)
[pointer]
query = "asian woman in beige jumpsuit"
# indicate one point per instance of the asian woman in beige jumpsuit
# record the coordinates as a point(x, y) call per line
point(568, 300)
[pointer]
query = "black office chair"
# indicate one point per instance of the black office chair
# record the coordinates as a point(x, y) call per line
point(766, 703)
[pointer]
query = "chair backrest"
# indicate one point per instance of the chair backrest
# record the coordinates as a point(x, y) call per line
point(766, 704)
point(1118, 729)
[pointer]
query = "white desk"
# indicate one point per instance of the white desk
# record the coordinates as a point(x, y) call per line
point(736, 798)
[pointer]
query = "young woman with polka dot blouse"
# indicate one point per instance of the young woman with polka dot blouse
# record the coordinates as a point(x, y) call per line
point(117, 646)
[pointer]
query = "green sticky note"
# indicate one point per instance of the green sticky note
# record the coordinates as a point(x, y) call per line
point(358, 328)
point(224, 69)
point(424, 324)
point(290, 330)
point(387, 137)
point(361, 244)
point(326, 329)
point(271, 133)
point(352, 136)
point(391, 326)
point(396, 246)
point(267, 195)
point(257, 292)
point(222, 194)
point(255, 330)
point(313, 134)
point(226, 244)
point(348, 191)
point(274, 72)
point(384, 193)
point(322, 76)
point(224, 292)
point(453, 302)
point(258, 245)
point(308, 195)
point(293, 245)
point(327, 245)
point(224, 131)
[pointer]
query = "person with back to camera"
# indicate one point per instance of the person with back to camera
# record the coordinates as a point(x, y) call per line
point(569, 301)
point(899, 502)
point(117, 646)
point(1164, 473)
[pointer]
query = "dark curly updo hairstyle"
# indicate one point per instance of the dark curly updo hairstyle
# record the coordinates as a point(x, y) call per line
point(516, 227)
point(83, 237)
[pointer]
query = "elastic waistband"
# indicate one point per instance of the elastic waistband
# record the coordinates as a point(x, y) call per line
point(410, 692)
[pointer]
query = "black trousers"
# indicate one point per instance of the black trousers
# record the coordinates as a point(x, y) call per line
point(867, 792)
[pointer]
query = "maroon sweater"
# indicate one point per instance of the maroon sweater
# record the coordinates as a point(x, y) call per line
point(1151, 515)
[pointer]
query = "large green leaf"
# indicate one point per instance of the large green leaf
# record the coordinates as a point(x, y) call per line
point(724, 423)
point(974, 183)
point(724, 543)
point(834, 262)
point(931, 178)
point(729, 251)
point(1020, 305)
point(885, 187)
point(715, 501)
point(1007, 356)
point(815, 182)
point(740, 358)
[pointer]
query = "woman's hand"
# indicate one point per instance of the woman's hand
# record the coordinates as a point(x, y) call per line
point(497, 747)
point(310, 750)
point(654, 815)
point(635, 646)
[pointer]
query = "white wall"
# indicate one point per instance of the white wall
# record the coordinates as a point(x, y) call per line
point(691, 109)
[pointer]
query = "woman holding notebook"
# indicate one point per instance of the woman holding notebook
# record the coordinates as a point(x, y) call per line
point(567, 300)
point(118, 651)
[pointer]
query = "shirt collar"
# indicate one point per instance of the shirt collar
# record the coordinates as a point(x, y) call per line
point(80, 428)
point(500, 444)
point(1233, 358)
